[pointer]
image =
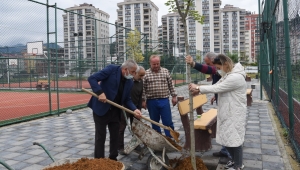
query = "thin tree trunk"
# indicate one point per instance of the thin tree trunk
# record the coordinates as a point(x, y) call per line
point(188, 72)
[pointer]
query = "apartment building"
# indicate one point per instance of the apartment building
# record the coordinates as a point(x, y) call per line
point(248, 45)
point(233, 29)
point(210, 31)
point(251, 26)
point(85, 38)
point(139, 14)
point(201, 37)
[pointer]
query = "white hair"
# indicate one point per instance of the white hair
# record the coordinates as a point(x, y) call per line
point(211, 55)
point(129, 64)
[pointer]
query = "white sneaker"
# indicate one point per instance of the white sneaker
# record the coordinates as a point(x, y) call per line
point(232, 168)
point(229, 164)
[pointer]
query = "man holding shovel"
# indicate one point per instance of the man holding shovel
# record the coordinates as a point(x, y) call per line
point(115, 85)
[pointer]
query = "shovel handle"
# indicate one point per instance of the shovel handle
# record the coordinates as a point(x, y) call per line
point(127, 110)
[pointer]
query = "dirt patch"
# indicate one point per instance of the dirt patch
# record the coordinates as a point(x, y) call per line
point(90, 164)
point(185, 164)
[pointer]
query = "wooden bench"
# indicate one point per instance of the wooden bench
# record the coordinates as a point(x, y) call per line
point(248, 78)
point(42, 83)
point(205, 127)
point(249, 97)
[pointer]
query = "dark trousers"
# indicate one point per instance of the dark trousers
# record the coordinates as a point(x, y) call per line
point(112, 120)
point(237, 155)
point(123, 125)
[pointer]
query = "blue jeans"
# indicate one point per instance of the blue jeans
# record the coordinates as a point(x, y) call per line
point(225, 152)
point(160, 108)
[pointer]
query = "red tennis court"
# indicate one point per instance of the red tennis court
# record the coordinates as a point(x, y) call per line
point(20, 104)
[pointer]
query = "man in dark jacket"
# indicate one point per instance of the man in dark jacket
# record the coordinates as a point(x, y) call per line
point(115, 85)
point(136, 96)
point(209, 68)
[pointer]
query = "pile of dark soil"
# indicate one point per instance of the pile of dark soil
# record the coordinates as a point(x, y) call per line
point(90, 164)
point(185, 164)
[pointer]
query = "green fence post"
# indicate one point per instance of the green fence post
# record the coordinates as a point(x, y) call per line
point(288, 67)
point(96, 43)
point(48, 55)
point(56, 56)
point(275, 74)
point(260, 50)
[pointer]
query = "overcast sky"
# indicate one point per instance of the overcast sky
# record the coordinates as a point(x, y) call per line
point(22, 21)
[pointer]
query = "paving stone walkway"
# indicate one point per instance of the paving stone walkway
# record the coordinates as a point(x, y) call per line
point(72, 136)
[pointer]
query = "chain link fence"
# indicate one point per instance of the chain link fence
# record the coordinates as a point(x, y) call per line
point(280, 62)
point(47, 53)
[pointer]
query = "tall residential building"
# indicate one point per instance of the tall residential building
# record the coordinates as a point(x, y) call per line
point(210, 31)
point(248, 45)
point(203, 38)
point(139, 14)
point(233, 30)
point(80, 34)
point(251, 25)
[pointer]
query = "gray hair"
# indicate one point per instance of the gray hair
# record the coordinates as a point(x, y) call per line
point(129, 64)
point(211, 55)
point(139, 69)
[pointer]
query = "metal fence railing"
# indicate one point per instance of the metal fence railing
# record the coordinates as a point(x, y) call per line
point(280, 62)
point(47, 53)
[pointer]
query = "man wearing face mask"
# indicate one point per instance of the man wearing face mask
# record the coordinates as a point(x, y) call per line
point(113, 83)
point(216, 75)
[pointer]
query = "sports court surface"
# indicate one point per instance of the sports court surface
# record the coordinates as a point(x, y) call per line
point(26, 103)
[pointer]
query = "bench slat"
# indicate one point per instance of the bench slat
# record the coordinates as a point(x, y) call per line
point(198, 101)
point(206, 120)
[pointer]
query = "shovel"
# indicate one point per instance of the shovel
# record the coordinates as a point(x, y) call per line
point(174, 134)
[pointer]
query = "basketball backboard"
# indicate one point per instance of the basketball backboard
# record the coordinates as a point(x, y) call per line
point(35, 48)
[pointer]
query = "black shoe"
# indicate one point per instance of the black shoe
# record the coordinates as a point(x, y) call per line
point(224, 160)
point(115, 159)
point(219, 154)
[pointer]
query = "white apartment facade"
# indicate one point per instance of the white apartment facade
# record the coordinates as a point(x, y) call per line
point(209, 33)
point(202, 37)
point(233, 30)
point(85, 38)
point(248, 45)
point(139, 14)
